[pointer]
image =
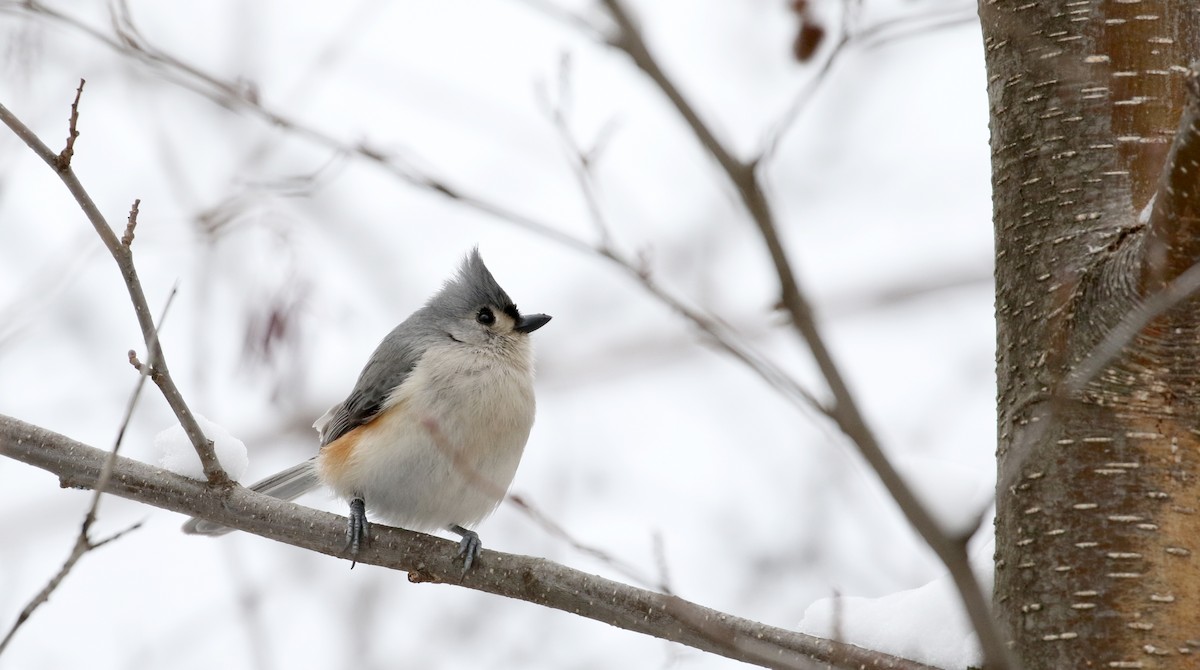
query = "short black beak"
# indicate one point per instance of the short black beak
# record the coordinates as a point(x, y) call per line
point(530, 322)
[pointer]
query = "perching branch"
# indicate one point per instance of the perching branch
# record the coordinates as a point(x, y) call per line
point(744, 177)
point(1172, 242)
point(122, 253)
point(430, 559)
point(424, 557)
point(748, 185)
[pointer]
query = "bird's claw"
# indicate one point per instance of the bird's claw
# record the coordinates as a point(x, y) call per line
point(469, 547)
point(357, 529)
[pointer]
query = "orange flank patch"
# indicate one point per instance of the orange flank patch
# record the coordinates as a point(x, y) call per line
point(336, 455)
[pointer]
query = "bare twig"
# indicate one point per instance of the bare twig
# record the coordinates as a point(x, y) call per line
point(228, 95)
point(429, 558)
point(1172, 244)
point(851, 36)
point(123, 255)
point(82, 546)
point(1183, 287)
point(130, 225)
point(554, 529)
point(913, 25)
point(721, 336)
point(236, 96)
point(582, 162)
point(63, 160)
point(83, 541)
point(144, 371)
point(844, 412)
point(554, 11)
point(807, 93)
point(1169, 255)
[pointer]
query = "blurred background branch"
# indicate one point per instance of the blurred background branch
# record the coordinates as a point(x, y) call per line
point(652, 456)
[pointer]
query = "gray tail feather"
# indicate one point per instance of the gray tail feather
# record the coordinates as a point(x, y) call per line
point(287, 485)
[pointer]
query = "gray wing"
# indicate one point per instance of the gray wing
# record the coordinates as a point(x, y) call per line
point(388, 367)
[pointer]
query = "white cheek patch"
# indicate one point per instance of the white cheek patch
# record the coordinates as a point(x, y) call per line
point(504, 323)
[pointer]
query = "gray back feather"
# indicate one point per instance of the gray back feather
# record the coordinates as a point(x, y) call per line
point(399, 352)
point(387, 368)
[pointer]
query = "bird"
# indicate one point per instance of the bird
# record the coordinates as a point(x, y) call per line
point(431, 435)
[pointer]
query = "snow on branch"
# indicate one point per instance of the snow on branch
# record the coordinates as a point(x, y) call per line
point(122, 252)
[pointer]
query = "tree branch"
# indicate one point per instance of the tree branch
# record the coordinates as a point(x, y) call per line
point(238, 97)
point(870, 37)
point(746, 181)
point(63, 160)
point(123, 255)
point(83, 541)
point(1173, 239)
point(229, 96)
point(83, 544)
point(430, 559)
point(951, 551)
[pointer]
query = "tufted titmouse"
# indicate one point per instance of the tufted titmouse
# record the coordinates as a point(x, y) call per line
point(431, 435)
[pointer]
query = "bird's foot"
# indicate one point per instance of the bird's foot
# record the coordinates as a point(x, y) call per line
point(357, 529)
point(469, 547)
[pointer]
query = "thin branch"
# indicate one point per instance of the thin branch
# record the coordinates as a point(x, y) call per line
point(239, 97)
point(1170, 251)
point(1173, 239)
point(723, 338)
point(83, 541)
point(82, 546)
point(845, 412)
point(551, 527)
point(215, 90)
point(800, 102)
point(63, 161)
point(565, 16)
point(123, 255)
point(721, 335)
point(106, 473)
point(1183, 287)
point(130, 225)
point(746, 182)
point(910, 26)
point(867, 38)
point(582, 162)
point(430, 559)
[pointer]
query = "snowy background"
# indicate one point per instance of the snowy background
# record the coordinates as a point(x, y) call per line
point(647, 441)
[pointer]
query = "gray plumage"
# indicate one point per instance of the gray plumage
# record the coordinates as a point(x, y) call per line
point(445, 405)
point(399, 352)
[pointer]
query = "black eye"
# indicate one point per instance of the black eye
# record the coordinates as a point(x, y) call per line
point(485, 316)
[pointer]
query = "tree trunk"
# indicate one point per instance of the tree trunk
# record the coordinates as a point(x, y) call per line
point(1097, 530)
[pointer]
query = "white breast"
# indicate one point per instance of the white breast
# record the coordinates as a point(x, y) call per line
point(446, 445)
